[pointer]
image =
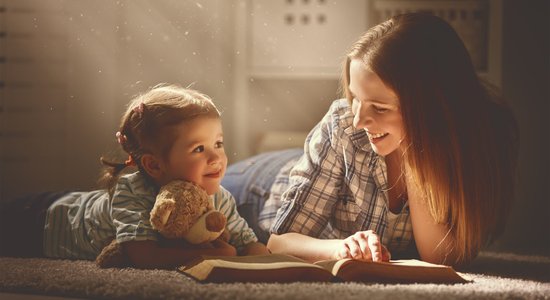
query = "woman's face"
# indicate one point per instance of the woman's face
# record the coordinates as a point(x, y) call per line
point(376, 109)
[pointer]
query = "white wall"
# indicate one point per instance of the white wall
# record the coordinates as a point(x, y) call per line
point(70, 67)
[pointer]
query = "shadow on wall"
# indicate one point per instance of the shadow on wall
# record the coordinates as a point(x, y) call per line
point(526, 74)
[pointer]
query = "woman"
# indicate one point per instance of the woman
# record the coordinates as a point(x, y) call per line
point(418, 159)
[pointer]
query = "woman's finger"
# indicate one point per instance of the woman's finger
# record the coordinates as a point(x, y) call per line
point(342, 252)
point(375, 246)
point(354, 249)
point(362, 239)
point(345, 252)
point(386, 255)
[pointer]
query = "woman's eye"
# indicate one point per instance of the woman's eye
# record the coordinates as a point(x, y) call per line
point(380, 110)
point(219, 144)
point(199, 149)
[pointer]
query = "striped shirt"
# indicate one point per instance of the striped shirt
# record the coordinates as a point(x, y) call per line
point(338, 187)
point(80, 224)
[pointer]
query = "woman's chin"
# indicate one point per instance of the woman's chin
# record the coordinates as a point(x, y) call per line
point(382, 151)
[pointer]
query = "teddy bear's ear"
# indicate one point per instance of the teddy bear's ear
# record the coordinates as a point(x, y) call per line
point(161, 213)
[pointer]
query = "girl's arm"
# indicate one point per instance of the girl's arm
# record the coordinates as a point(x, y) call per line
point(150, 255)
point(433, 240)
point(241, 235)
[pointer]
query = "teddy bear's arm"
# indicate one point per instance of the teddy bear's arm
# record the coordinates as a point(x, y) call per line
point(161, 213)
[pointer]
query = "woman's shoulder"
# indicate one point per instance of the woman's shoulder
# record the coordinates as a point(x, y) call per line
point(339, 114)
point(332, 126)
point(340, 121)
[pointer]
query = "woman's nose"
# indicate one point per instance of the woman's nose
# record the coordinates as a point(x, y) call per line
point(361, 118)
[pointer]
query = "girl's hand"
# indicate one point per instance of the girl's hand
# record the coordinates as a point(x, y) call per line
point(224, 248)
point(363, 245)
point(255, 248)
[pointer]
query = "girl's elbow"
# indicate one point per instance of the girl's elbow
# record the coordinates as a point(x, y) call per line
point(220, 248)
point(228, 251)
point(140, 254)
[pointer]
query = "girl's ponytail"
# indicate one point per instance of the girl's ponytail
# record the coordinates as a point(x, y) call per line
point(111, 172)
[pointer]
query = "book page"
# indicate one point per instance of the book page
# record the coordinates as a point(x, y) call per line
point(395, 271)
point(260, 268)
point(285, 268)
point(259, 262)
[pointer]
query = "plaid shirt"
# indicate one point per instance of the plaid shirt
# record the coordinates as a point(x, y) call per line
point(338, 187)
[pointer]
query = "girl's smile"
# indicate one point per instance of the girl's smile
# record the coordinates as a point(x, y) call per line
point(216, 174)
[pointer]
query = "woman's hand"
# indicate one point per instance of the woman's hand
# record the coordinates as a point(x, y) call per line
point(363, 245)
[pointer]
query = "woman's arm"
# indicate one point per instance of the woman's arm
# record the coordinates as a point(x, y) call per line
point(363, 245)
point(149, 255)
point(317, 179)
point(302, 246)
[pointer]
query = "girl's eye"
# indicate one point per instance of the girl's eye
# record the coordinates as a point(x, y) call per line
point(199, 149)
point(219, 144)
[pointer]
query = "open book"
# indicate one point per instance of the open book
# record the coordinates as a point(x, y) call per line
point(285, 268)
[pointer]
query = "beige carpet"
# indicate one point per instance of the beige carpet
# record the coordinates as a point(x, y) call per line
point(495, 275)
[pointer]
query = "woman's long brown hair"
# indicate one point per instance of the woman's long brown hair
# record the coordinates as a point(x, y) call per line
point(462, 139)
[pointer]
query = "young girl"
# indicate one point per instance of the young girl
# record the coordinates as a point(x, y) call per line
point(169, 133)
point(419, 157)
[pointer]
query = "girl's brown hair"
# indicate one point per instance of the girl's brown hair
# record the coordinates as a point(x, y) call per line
point(148, 125)
point(461, 138)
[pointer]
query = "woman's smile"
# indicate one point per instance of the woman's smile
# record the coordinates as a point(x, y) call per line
point(376, 137)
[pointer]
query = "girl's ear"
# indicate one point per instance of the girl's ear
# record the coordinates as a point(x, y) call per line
point(152, 166)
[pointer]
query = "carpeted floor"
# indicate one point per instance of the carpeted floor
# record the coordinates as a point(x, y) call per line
point(495, 275)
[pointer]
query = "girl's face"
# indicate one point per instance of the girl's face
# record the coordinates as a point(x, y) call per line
point(198, 154)
point(375, 108)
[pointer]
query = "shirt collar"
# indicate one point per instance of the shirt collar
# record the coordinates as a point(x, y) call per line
point(360, 140)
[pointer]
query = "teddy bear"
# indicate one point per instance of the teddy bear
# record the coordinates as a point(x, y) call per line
point(182, 210)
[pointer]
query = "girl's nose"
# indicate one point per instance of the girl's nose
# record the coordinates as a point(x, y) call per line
point(214, 158)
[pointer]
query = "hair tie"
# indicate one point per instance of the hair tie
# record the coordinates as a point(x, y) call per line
point(121, 138)
point(130, 161)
